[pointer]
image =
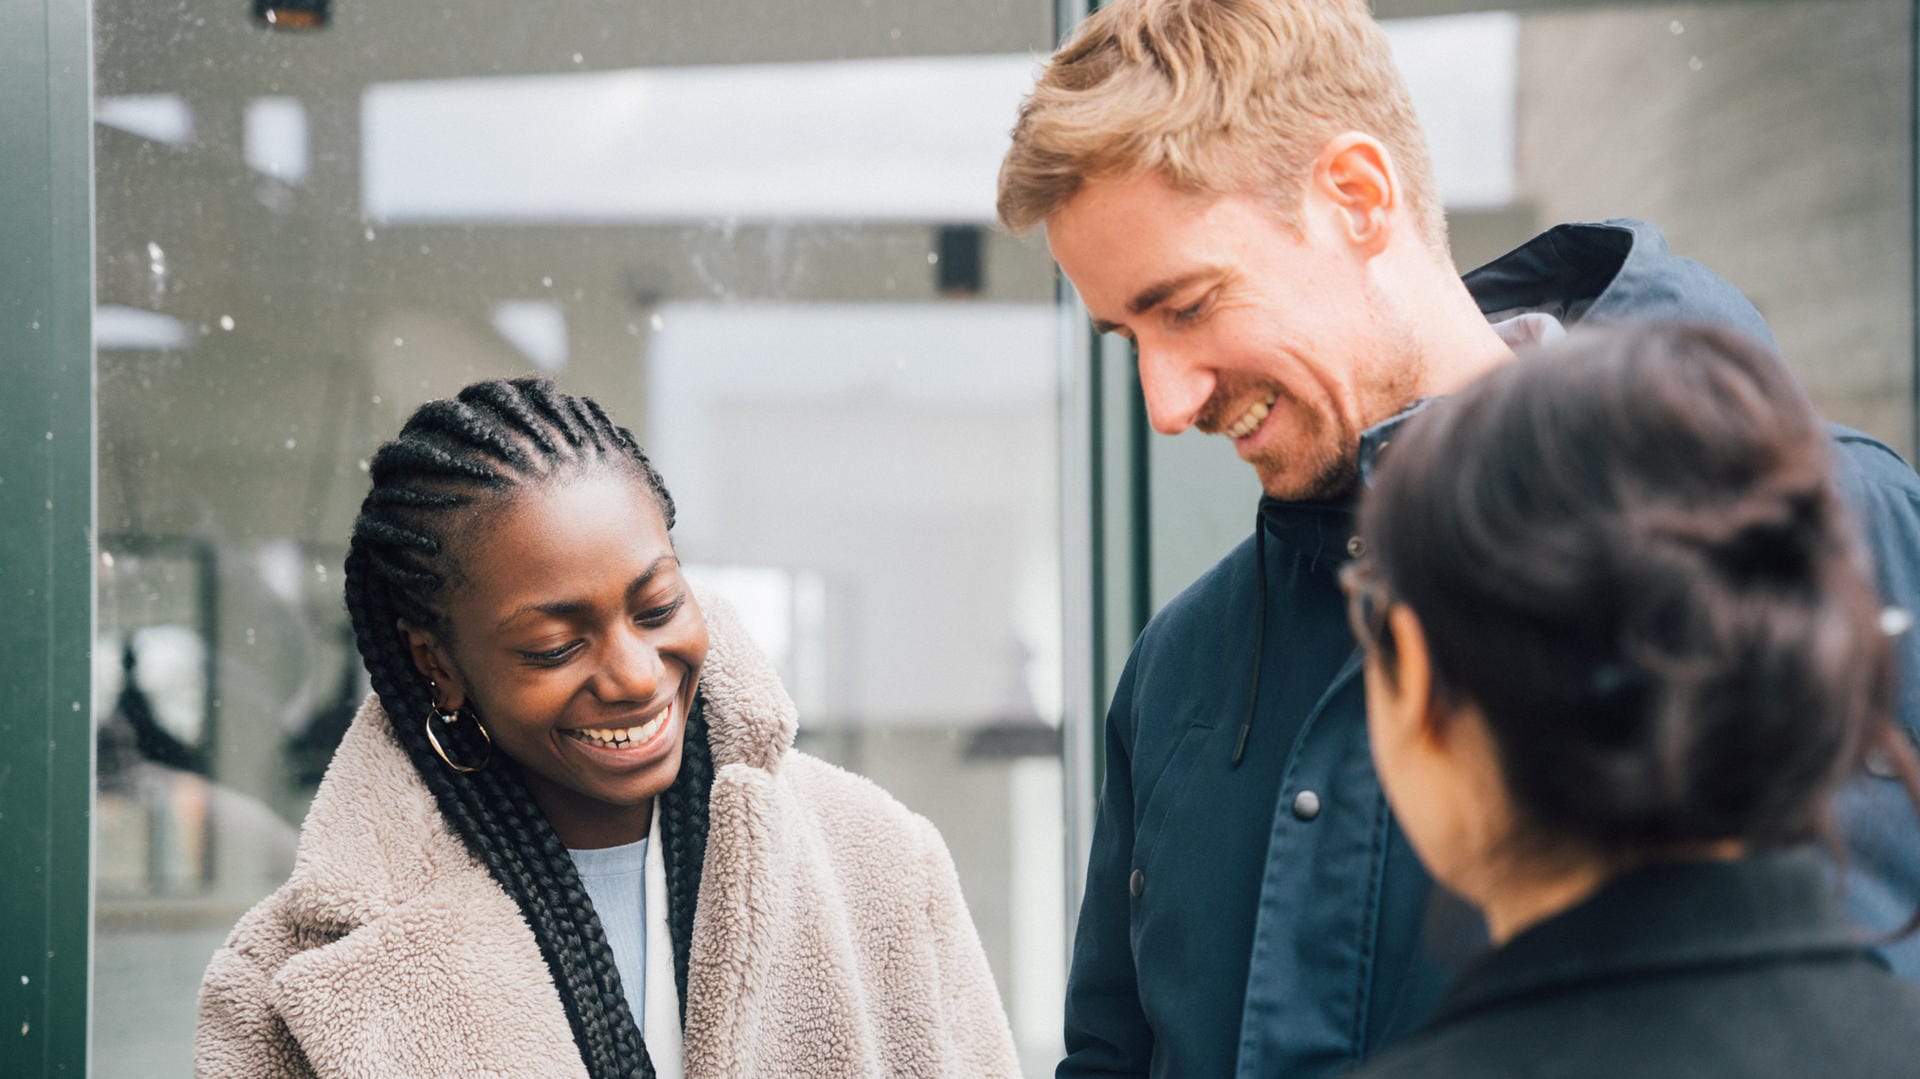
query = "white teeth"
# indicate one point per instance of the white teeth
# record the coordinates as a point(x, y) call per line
point(624, 737)
point(1250, 420)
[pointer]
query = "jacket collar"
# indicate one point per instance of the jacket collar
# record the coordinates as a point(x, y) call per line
point(1607, 271)
point(1669, 917)
point(1325, 528)
point(750, 718)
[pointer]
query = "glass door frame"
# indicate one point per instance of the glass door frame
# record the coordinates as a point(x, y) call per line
point(46, 534)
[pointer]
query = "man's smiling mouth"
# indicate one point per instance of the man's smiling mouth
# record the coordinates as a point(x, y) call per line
point(1250, 420)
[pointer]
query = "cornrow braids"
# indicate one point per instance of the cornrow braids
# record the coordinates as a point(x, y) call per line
point(449, 459)
point(683, 835)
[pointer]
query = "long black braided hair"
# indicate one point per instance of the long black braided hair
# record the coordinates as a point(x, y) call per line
point(453, 462)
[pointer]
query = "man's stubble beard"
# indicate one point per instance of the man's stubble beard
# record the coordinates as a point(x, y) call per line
point(1331, 453)
point(1385, 388)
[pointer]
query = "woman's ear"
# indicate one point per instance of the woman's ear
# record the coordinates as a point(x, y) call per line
point(1411, 672)
point(435, 663)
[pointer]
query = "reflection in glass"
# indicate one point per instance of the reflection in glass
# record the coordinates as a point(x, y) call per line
point(733, 227)
point(768, 231)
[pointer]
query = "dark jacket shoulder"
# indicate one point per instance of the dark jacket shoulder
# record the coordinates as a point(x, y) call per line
point(1709, 970)
point(1867, 466)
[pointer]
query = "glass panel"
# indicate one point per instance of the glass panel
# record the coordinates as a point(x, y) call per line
point(1772, 142)
point(759, 235)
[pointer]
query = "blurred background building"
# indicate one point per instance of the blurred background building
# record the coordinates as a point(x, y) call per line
point(762, 235)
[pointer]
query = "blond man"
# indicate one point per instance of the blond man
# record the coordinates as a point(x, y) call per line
point(1240, 188)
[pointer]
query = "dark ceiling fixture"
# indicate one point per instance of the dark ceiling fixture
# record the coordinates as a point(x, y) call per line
point(292, 14)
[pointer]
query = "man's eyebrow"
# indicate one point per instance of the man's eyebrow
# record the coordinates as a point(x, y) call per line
point(1153, 295)
point(574, 608)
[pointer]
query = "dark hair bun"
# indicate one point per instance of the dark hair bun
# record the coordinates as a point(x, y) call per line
point(1629, 552)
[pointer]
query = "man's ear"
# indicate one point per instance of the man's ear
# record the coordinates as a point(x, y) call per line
point(1354, 174)
point(435, 662)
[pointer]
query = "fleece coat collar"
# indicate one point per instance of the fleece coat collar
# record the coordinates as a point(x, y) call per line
point(830, 937)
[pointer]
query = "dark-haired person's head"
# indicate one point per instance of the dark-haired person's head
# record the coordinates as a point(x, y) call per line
point(1615, 611)
point(520, 608)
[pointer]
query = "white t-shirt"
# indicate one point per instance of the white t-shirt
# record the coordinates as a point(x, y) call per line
point(628, 887)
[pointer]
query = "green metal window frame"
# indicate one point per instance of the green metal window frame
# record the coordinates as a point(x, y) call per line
point(46, 534)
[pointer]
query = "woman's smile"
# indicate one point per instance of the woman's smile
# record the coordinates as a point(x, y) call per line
point(624, 745)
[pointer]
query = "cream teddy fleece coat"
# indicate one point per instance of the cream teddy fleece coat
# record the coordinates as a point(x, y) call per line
point(830, 937)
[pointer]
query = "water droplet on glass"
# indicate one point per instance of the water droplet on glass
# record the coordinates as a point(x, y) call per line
point(894, 33)
point(579, 59)
point(376, 398)
point(426, 249)
point(157, 274)
point(657, 323)
point(34, 325)
point(363, 464)
point(49, 436)
point(1677, 27)
point(1694, 64)
point(23, 979)
point(250, 637)
point(291, 443)
point(368, 233)
point(933, 258)
point(23, 1029)
point(106, 559)
point(399, 342)
point(226, 323)
point(546, 282)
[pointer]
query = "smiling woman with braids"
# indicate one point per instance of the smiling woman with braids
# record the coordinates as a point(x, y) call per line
point(568, 836)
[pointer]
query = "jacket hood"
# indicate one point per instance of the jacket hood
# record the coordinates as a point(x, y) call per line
point(1607, 271)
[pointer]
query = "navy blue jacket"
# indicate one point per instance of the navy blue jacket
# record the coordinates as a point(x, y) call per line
point(1269, 920)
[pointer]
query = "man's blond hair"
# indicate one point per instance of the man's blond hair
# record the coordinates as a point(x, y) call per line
point(1220, 96)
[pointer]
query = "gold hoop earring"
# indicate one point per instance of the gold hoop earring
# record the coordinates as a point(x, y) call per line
point(449, 719)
